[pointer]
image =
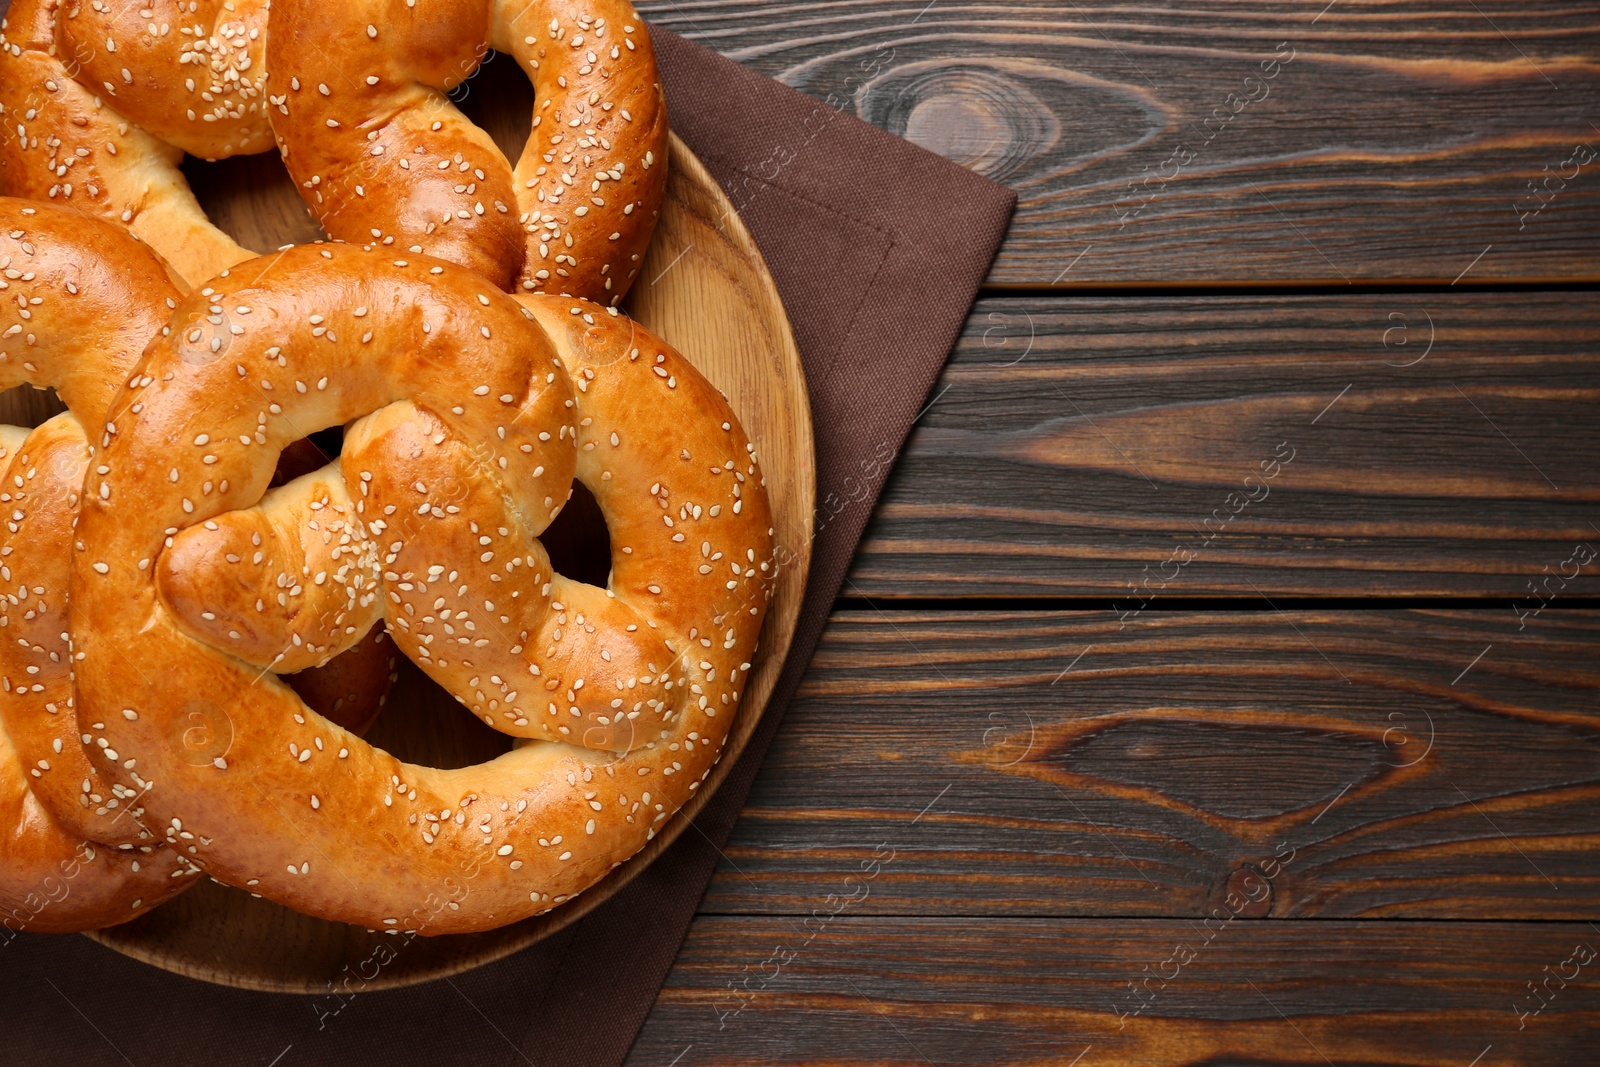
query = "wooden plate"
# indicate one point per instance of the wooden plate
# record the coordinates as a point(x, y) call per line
point(706, 289)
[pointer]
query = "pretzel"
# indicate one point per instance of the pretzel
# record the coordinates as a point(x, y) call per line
point(75, 857)
point(84, 298)
point(476, 415)
point(380, 154)
point(99, 100)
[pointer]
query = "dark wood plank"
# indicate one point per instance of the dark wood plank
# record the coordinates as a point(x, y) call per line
point(854, 990)
point(1398, 142)
point(1331, 764)
point(1441, 444)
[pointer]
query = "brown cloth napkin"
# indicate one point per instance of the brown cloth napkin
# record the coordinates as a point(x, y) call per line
point(878, 248)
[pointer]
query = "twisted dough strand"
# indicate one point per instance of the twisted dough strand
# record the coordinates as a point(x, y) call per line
point(84, 297)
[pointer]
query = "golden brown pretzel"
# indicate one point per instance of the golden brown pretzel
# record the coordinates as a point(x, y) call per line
point(99, 99)
point(481, 412)
point(82, 298)
point(75, 855)
point(380, 154)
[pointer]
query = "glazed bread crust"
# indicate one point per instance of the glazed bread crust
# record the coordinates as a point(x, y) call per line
point(191, 72)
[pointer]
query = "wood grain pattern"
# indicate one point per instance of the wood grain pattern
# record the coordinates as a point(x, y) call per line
point(1442, 444)
point(1399, 142)
point(1375, 764)
point(982, 837)
point(920, 991)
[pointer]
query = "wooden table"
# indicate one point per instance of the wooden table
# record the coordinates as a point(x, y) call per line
point(1216, 682)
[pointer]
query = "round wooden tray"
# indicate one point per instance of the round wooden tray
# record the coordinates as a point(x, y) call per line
point(706, 289)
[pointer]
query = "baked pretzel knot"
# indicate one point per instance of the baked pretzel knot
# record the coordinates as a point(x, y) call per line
point(100, 99)
point(380, 154)
point(82, 298)
point(476, 413)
